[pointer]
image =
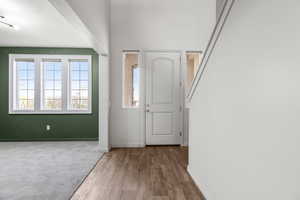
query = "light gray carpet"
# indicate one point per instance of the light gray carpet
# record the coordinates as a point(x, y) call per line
point(44, 170)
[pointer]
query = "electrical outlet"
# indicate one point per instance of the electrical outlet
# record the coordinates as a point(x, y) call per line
point(48, 127)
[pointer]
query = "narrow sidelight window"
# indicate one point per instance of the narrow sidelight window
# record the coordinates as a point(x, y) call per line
point(131, 80)
point(135, 86)
point(193, 60)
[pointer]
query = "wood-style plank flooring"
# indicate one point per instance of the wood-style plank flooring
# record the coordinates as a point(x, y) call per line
point(151, 173)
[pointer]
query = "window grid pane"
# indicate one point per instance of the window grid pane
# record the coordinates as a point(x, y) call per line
point(52, 94)
point(79, 85)
point(25, 84)
point(135, 86)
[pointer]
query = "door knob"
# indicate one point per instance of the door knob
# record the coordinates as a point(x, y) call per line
point(147, 110)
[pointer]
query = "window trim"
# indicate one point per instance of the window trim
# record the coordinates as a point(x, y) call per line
point(124, 53)
point(66, 83)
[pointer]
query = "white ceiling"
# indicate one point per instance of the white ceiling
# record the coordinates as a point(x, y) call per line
point(37, 23)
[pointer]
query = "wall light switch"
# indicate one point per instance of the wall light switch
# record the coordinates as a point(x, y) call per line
point(48, 127)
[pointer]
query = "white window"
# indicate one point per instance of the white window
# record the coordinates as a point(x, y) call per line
point(50, 84)
point(131, 80)
point(79, 84)
point(25, 84)
point(193, 59)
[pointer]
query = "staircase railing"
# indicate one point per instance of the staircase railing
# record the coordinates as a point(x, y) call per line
point(210, 47)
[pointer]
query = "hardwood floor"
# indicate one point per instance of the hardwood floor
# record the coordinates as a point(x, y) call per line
point(151, 173)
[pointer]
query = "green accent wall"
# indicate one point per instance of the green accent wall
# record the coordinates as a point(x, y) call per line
point(33, 127)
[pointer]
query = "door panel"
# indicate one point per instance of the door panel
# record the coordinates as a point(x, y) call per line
point(162, 98)
point(162, 72)
point(162, 123)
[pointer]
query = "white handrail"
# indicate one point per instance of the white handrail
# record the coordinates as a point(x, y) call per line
point(211, 45)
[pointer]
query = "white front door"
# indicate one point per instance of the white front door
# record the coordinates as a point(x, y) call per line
point(163, 105)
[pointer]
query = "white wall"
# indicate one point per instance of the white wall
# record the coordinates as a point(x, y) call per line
point(37, 24)
point(95, 15)
point(220, 5)
point(155, 24)
point(244, 133)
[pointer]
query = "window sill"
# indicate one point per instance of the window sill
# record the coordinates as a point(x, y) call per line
point(51, 113)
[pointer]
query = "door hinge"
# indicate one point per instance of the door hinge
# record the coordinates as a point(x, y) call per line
point(180, 108)
point(180, 84)
point(180, 133)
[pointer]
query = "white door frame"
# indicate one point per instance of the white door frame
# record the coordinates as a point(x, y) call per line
point(104, 102)
point(143, 93)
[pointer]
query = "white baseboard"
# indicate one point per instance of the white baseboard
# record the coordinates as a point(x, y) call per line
point(104, 148)
point(189, 171)
point(130, 145)
point(184, 145)
point(198, 185)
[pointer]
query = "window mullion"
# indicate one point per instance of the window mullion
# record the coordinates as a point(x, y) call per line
point(37, 84)
point(90, 85)
point(15, 86)
point(65, 85)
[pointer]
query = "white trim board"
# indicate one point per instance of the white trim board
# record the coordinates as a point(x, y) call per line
point(104, 105)
point(128, 145)
point(198, 185)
